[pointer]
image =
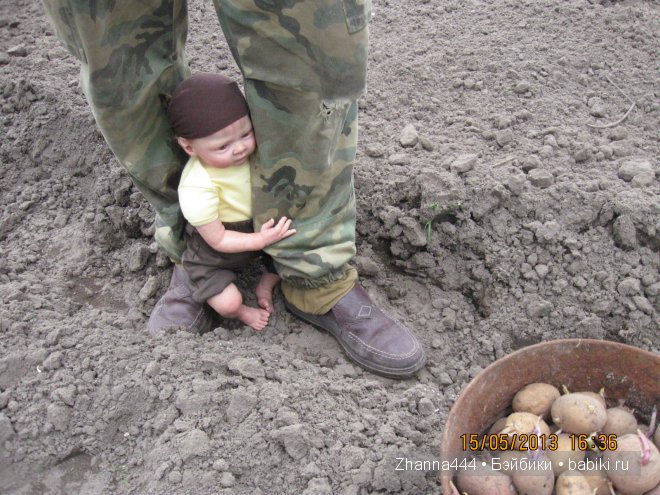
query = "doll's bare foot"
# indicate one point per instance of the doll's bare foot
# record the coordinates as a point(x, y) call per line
point(264, 290)
point(254, 317)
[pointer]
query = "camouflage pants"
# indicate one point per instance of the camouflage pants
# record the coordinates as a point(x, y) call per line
point(304, 64)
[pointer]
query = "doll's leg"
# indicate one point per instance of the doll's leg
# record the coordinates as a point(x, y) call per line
point(229, 303)
point(264, 290)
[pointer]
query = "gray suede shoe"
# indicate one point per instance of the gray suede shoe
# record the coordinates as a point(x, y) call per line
point(177, 308)
point(371, 338)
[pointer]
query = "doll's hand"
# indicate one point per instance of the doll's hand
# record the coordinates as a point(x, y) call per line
point(271, 233)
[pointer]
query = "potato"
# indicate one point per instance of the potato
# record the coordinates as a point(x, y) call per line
point(536, 479)
point(597, 396)
point(524, 423)
point(535, 398)
point(597, 479)
point(572, 483)
point(578, 413)
point(534, 484)
point(628, 453)
point(655, 491)
point(505, 460)
point(498, 426)
point(484, 481)
point(619, 422)
point(564, 454)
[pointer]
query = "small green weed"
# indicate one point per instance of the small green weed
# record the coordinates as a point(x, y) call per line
point(123, 475)
point(429, 225)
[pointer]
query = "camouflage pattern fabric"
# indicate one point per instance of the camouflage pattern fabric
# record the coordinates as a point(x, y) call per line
point(304, 64)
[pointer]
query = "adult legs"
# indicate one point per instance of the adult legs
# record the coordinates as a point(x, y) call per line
point(303, 75)
point(131, 53)
point(304, 64)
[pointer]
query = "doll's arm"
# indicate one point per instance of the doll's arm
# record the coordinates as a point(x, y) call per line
point(229, 241)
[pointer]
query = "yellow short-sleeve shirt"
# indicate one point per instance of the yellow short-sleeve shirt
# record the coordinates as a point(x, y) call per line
point(209, 193)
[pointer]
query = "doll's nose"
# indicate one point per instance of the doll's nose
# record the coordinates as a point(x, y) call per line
point(240, 148)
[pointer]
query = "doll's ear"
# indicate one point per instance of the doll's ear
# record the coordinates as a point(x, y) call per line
point(186, 145)
point(165, 100)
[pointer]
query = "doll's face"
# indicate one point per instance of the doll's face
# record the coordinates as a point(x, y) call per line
point(228, 147)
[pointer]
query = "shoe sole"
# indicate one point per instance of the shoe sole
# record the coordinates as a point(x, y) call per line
point(334, 330)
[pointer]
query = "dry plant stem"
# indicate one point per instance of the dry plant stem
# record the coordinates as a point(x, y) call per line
point(504, 162)
point(625, 115)
point(613, 124)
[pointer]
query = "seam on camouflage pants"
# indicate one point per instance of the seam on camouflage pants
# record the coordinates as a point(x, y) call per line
point(304, 64)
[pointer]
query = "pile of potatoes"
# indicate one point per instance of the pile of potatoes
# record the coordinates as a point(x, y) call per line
point(539, 408)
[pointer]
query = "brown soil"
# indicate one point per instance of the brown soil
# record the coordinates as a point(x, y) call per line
point(505, 220)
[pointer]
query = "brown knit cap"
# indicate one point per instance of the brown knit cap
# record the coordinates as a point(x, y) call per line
point(205, 103)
